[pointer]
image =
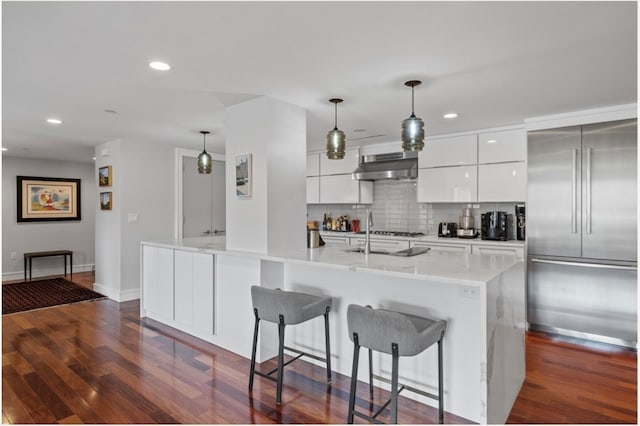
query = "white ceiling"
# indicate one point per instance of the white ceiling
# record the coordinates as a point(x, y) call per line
point(494, 63)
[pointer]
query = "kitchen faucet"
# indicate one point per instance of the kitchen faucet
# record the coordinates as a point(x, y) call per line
point(367, 230)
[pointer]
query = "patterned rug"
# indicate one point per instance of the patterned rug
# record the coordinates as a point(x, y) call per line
point(29, 295)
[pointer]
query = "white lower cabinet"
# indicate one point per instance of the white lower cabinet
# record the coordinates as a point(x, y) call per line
point(443, 184)
point(502, 182)
point(193, 290)
point(343, 189)
point(500, 250)
point(456, 248)
point(157, 282)
point(381, 244)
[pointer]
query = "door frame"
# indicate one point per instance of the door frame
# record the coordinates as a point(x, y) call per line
point(180, 153)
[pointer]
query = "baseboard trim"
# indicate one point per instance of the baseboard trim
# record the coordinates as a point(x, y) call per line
point(45, 272)
point(118, 296)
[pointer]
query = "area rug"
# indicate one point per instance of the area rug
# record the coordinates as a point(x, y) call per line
point(29, 295)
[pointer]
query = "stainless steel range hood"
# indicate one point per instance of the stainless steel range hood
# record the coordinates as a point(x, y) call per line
point(395, 165)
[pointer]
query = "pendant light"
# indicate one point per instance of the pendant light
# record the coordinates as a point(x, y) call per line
point(335, 138)
point(412, 127)
point(205, 163)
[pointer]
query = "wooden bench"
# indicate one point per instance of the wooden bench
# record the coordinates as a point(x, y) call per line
point(28, 257)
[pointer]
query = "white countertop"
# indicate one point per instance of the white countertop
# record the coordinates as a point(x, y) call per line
point(426, 238)
point(473, 269)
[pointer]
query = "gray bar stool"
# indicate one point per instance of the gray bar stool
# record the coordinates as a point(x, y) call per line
point(397, 334)
point(287, 308)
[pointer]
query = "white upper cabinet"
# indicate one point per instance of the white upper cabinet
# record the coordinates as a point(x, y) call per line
point(313, 189)
point(313, 164)
point(499, 147)
point(443, 184)
point(335, 167)
point(450, 151)
point(340, 189)
point(502, 182)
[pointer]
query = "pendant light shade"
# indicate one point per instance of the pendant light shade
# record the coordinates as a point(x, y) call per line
point(205, 162)
point(335, 138)
point(412, 127)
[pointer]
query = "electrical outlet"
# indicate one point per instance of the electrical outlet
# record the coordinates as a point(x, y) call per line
point(469, 292)
point(14, 255)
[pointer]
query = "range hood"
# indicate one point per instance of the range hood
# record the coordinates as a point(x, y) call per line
point(395, 165)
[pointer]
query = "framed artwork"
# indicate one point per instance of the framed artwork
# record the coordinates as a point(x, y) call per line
point(243, 175)
point(42, 199)
point(104, 176)
point(106, 200)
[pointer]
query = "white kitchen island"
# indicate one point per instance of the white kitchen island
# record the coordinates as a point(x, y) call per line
point(481, 296)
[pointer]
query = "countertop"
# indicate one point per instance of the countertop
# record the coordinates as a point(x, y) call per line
point(426, 238)
point(472, 269)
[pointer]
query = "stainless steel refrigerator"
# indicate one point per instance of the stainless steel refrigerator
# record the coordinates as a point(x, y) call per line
point(582, 231)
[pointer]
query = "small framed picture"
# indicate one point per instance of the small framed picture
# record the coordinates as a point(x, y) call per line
point(105, 176)
point(243, 175)
point(105, 200)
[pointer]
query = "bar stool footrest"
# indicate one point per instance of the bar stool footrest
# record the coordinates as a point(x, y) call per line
point(407, 387)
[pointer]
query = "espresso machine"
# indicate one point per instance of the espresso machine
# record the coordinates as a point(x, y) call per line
point(520, 222)
point(465, 227)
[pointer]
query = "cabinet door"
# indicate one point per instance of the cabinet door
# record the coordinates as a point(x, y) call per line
point(455, 248)
point(502, 182)
point(338, 189)
point(203, 294)
point(453, 151)
point(313, 164)
point(448, 184)
point(499, 147)
point(313, 190)
point(157, 282)
point(347, 165)
point(501, 250)
point(183, 287)
point(381, 244)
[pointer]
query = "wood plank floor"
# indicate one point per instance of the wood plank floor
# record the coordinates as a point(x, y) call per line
point(97, 362)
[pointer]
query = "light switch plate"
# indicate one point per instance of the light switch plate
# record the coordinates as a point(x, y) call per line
point(133, 218)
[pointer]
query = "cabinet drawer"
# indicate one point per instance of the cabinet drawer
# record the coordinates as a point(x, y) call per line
point(448, 184)
point(500, 250)
point(502, 182)
point(453, 151)
point(347, 165)
point(498, 147)
point(456, 248)
point(379, 244)
point(335, 241)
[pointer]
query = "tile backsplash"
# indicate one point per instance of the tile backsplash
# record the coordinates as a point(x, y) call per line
point(395, 208)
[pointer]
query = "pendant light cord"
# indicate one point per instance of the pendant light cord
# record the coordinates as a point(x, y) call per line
point(336, 119)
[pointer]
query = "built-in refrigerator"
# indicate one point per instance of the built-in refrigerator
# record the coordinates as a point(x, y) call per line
point(582, 231)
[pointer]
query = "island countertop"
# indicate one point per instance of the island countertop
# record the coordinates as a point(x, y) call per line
point(471, 269)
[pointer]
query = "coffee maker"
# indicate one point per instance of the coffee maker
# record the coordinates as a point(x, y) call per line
point(496, 225)
point(520, 222)
point(465, 228)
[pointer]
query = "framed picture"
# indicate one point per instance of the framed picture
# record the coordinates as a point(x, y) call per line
point(104, 176)
point(243, 175)
point(105, 200)
point(42, 199)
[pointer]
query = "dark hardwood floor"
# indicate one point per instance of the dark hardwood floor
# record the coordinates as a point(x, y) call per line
point(97, 362)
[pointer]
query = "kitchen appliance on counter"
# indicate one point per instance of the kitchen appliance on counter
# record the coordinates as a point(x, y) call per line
point(582, 231)
point(496, 225)
point(466, 229)
point(520, 222)
point(447, 229)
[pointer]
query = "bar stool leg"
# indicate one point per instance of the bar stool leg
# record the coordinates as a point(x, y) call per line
point(354, 378)
point(253, 351)
point(440, 385)
point(394, 383)
point(327, 345)
point(370, 375)
point(280, 360)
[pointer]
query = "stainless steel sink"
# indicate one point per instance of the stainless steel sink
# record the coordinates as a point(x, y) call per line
point(413, 251)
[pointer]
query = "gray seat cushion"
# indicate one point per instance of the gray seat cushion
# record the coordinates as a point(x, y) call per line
point(294, 307)
point(378, 328)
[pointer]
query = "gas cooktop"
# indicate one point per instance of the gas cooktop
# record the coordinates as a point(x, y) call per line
point(395, 233)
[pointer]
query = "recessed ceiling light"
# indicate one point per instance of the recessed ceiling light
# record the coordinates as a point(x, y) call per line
point(160, 66)
point(492, 141)
point(94, 158)
point(54, 121)
point(5, 149)
point(110, 111)
point(450, 115)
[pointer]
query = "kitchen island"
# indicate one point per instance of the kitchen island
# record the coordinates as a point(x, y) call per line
point(201, 288)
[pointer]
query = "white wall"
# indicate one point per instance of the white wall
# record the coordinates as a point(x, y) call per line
point(77, 236)
point(143, 184)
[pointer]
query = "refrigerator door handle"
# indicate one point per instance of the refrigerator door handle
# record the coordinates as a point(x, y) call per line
point(588, 200)
point(574, 191)
point(586, 265)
